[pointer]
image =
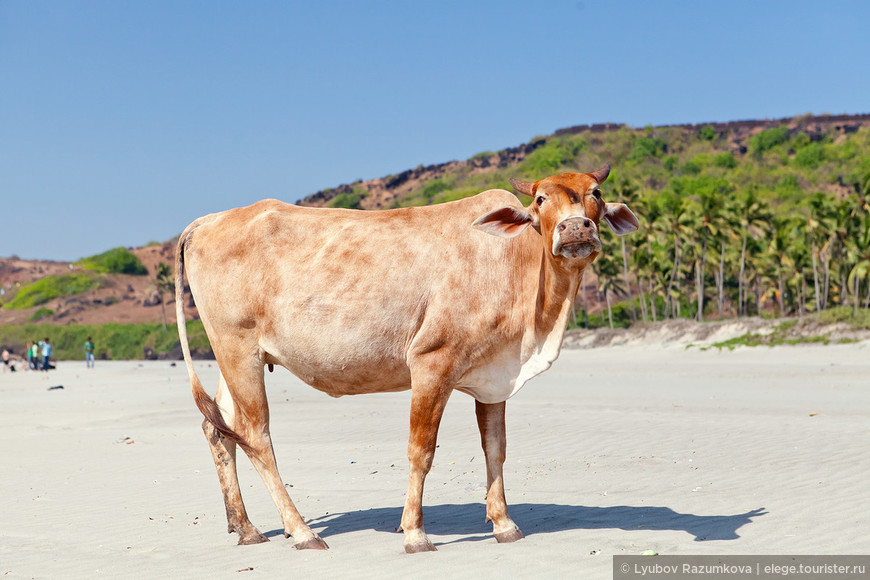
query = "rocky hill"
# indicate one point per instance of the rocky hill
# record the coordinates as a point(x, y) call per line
point(393, 190)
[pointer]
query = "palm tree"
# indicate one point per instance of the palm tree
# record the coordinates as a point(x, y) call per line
point(780, 262)
point(820, 222)
point(643, 256)
point(607, 269)
point(754, 218)
point(753, 274)
point(628, 193)
point(859, 247)
point(163, 283)
point(729, 230)
point(708, 222)
point(795, 260)
point(675, 226)
point(660, 270)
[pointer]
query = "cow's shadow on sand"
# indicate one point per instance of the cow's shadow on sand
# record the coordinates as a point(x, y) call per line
point(467, 519)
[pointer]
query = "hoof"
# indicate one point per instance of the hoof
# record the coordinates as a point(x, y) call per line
point(253, 537)
point(509, 536)
point(313, 543)
point(426, 546)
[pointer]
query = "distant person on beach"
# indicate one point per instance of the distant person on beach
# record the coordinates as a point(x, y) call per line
point(6, 356)
point(33, 356)
point(89, 353)
point(47, 351)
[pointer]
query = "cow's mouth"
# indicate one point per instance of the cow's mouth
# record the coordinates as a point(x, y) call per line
point(579, 249)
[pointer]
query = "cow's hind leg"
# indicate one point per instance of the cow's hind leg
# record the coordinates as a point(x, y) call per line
point(490, 420)
point(252, 425)
point(223, 451)
point(429, 396)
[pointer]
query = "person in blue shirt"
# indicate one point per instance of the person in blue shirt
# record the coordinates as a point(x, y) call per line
point(47, 351)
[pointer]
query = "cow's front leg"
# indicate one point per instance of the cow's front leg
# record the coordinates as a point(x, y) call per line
point(493, 437)
point(427, 407)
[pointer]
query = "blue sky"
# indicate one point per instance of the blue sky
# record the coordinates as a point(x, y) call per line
point(121, 122)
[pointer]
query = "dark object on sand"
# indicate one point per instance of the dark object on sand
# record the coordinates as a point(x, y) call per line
point(56, 387)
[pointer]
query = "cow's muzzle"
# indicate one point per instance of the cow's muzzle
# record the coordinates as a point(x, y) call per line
point(576, 237)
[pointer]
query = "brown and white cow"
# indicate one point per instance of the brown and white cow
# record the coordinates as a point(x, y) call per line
point(469, 296)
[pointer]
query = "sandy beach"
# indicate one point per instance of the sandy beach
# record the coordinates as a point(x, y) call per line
point(614, 451)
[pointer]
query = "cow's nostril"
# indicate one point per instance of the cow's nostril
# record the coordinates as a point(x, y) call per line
point(587, 223)
point(561, 227)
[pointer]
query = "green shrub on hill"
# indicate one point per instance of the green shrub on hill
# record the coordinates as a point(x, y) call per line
point(557, 154)
point(115, 261)
point(41, 313)
point(767, 140)
point(810, 156)
point(726, 160)
point(346, 201)
point(434, 187)
point(52, 287)
point(646, 147)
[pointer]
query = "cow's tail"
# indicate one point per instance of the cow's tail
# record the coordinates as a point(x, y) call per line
point(207, 406)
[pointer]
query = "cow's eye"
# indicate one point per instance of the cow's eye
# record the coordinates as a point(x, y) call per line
point(539, 200)
point(597, 194)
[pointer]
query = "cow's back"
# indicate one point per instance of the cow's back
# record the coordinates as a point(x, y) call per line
point(343, 297)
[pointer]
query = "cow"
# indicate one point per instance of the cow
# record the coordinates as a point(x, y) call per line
point(472, 295)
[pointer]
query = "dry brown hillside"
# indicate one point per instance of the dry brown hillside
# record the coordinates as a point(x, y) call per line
point(123, 298)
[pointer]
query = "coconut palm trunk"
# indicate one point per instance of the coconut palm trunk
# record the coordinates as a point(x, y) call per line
point(740, 290)
point(720, 283)
point(781, 296)
point(627, 281)
point(585, 309)
point(802, 290)
point(700, 281)
point(817, 296)
point(609, 309)
point(162, 311)
point(668, 300)
point(826, 260)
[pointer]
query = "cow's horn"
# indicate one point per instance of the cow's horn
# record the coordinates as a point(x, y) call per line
point(601, 173)
point(523, 187)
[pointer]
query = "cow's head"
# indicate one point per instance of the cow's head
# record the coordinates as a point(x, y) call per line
point(566, 210)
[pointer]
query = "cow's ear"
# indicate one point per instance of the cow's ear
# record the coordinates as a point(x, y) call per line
point(523, 187)
point(506, 222)
point(620, 219)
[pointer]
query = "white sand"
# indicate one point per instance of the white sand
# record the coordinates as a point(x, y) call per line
point(613, 451)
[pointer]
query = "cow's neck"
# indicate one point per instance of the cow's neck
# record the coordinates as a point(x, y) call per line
point(557, 290)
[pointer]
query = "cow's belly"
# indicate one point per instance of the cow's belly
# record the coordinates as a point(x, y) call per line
point(353, 379)
point(342, 362)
